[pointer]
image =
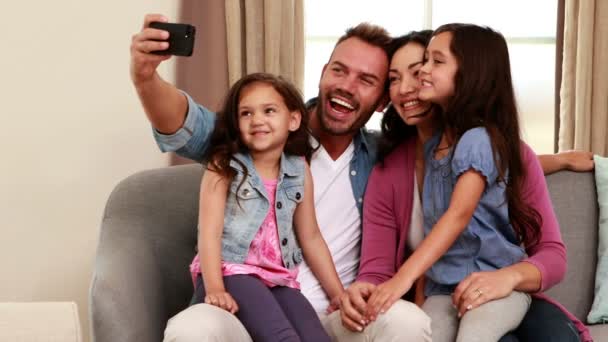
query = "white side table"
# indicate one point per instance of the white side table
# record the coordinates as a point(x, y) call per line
point(39, 322)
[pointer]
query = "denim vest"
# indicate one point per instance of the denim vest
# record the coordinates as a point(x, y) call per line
point(191, 141)
point(247, 207)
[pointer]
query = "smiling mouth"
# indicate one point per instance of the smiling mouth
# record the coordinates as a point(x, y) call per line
point(410, 104)
point(340, 106)
point(421, 115)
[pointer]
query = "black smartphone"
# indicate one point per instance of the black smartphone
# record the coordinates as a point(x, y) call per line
point(181, 38)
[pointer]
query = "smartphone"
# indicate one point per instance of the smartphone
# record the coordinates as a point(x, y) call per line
point(181, 38)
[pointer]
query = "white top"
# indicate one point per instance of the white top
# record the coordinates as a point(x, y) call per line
point(338, 219)
point(416, 232)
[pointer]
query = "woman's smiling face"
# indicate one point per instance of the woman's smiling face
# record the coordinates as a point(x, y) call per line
point(404, 84)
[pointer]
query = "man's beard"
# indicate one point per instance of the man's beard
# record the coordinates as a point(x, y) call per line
point(326, 123)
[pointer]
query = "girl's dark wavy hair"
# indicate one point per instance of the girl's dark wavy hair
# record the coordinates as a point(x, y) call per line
point(484, 97)
point(226, 138)
point(394, 129)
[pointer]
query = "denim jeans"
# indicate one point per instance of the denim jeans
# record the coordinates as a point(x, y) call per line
point(544, 322)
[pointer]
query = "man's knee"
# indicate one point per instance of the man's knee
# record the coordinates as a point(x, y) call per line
point(204, 323)
point(403, 321)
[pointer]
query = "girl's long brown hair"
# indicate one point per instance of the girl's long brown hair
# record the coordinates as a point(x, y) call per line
point(226, 139)
point(484, 97)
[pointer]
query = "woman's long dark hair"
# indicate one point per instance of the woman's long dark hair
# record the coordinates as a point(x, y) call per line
point(226, 138)
point(484, 97)
point(394, 129)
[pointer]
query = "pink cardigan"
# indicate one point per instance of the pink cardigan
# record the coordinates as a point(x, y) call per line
point(387, 211)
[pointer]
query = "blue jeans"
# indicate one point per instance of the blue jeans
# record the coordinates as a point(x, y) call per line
point(544, 322)
point(270, 314)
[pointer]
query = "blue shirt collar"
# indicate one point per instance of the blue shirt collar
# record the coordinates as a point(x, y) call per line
point(361, 140)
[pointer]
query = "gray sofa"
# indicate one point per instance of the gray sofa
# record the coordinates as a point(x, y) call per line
point(148, 234)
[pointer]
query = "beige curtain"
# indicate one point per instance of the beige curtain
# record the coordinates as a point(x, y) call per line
point(265, 35)
point(204, 75)
point(584, 89)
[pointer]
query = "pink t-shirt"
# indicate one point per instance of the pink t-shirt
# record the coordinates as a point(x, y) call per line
point(264, 259)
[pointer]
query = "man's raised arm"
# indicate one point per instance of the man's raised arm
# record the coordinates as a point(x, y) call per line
point(180, 124)
point(163, 103)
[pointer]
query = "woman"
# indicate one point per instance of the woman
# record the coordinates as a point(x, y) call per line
point(393, 216)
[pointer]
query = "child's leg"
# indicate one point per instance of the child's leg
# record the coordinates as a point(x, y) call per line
point(492, 320)
point(301, 314)
point(444, 318)
point(259, 311)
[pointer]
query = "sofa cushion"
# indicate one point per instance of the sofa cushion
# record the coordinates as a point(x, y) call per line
point(599, 310)
point(574, 200)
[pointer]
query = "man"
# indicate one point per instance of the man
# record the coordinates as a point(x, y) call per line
point(350, 90)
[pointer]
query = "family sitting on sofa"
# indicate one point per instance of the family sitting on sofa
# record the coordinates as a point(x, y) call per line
point(440, 228)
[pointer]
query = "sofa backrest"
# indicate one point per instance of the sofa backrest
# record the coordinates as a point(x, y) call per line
point(574, 199)
point(169, 197)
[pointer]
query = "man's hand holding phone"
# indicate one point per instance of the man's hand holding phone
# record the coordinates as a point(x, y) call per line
point(155, 43)
point(143, 62)
point(164, 105)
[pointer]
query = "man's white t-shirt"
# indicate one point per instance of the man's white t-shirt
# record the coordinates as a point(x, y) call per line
point(339, 221)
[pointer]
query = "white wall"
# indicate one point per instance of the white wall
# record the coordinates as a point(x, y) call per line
point(71, 128)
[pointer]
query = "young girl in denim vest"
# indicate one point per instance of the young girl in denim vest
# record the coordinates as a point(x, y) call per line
point(257, 211)
point(474, 217)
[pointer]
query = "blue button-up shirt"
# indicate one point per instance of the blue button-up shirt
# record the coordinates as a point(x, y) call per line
point(192, 140)
point(489, 241)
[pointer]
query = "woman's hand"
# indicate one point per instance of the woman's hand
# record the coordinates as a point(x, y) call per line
point(222, 299)
point(579, 161)
point(385, 295)
point(481, 287)
point(353, 304)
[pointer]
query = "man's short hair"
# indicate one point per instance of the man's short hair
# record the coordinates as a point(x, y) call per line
point(372, 34)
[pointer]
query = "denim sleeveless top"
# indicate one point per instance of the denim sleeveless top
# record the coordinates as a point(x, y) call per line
point(243, 218)
point(489, 241)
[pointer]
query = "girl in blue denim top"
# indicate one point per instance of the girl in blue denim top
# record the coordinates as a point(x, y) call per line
point(474, 218)
point(257, 217)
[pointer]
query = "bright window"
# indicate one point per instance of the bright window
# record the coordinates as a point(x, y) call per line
point(529, 27)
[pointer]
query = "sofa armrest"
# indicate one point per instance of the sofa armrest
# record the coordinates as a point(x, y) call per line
point(574, 199)
point(126, 290)
point(147, 239)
